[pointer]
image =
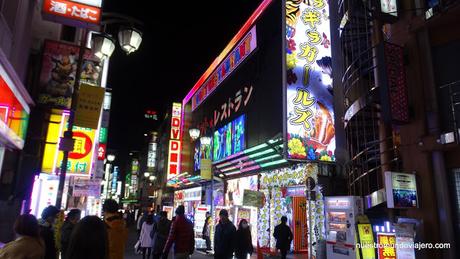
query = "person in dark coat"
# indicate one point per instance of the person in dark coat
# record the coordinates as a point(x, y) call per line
point(207, 231)
point(66, 231)
point(224, 238)
point(89, 240)
point(46, 223)
point(283, 236)
point(160, 234)
point(243, 240)
point(181, 235)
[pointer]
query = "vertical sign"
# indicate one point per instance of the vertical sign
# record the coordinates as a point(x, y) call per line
point(366, 239)
point(174, 142)
point(310, 132)
point(134, 174)
point(386, 246)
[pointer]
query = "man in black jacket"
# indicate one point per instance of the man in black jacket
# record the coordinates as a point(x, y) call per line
point(283, 236)
point(46, 223)
point(66, 231)
point(224, 238)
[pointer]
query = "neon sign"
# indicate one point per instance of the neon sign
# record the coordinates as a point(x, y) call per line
point(174, 142)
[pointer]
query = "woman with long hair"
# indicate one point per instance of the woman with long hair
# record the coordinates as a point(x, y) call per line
point(243, 241)
point(89, 240)
point(146, 239)
point(28, 244)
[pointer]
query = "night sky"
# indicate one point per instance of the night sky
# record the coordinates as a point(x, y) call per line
point(180, 40)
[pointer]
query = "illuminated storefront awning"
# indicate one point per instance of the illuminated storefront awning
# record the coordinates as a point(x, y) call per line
point(14, 106)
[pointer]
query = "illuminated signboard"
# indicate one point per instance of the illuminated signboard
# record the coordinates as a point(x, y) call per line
point(150, 114)
point(71, 13)
point(116, 172)
point(241, 51)
point(401, 190)
point(97, 3)
point(103, 135)
point(309, 112)
point(80, 159)
point(151, 155)
point(14, 114)
point(174, 142)
point(229, 139)
point(101, 151)
point(386, 246)
point(366, 239)
point(389, 7)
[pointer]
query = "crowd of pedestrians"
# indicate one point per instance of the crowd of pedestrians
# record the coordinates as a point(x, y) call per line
point(95, 238)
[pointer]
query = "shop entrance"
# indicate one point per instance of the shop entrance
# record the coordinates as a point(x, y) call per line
point(299, 224)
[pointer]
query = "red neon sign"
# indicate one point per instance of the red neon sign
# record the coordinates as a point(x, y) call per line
point(72, 11)
point(101, 150)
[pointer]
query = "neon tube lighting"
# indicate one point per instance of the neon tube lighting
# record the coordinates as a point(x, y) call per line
point(247, 25)
point(261, 153)
point(250, 168)
point(266, 158)
point(255, 148)
point(7, 109)
point(273, 163)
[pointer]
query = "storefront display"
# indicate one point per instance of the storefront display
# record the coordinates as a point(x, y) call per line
point(285, 195)
point(192, 198)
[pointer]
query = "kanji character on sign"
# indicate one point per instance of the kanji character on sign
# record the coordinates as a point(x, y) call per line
point(238, 98)
point(308, 52)
point(248, 96)
point(80, 167)
point(79, 146)
point(303, 118)
point(303, 98)
point(224, 111)
point(58, 7)
point(311, 18)
point(314, 37)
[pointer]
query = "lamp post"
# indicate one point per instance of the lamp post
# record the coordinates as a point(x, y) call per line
point(102, 47)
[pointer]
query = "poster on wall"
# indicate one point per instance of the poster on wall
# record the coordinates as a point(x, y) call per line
point(236, 187)
point(401, 190)
point(309, 105)
point(86, 187)
point(58, 71)
point(253, 198)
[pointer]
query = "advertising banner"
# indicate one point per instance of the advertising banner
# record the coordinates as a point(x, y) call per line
point(89, 106)
point(253, 198)
point(386, 246)
point(401, 190)
point(229, 139)
point(72, 13)
point(236, 188)
point(309, 104)
point(59, 66)
point(366, 239)
point(86, 187)
point(206, 169)
point(174, 142)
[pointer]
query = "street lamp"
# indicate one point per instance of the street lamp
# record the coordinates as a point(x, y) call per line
point(110, 157)
point(194, 133)
point(152, 178)
point(102, 45)
point(130, 39)
point(146, 174)
point(205, 140)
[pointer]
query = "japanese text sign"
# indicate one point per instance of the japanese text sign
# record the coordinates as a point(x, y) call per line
point(386, 246)
point(309, 112)
point(366, 239)
point(230, 63)
point(174, 143)
point(71, 13)
point(89, 106)
point(101, 151)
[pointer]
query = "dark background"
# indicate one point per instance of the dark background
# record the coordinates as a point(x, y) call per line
point(180, 40)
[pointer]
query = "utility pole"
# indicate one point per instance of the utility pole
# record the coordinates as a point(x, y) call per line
point(66, 148)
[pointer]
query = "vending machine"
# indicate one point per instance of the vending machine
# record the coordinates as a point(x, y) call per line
point(341, 214)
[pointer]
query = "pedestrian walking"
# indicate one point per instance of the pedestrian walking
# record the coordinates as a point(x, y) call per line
point(207, 231)
point(145, 239)
point(140, 221)
point(243, 240)
point(66, 231)
point(181, 235)
point(283, 236)
point(160, 234)
point(89, 239)
point(116, 229)
point(28, 245)
point(224, 237)
point(46, 227)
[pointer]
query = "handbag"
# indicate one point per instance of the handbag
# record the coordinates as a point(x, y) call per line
point(137, 247)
